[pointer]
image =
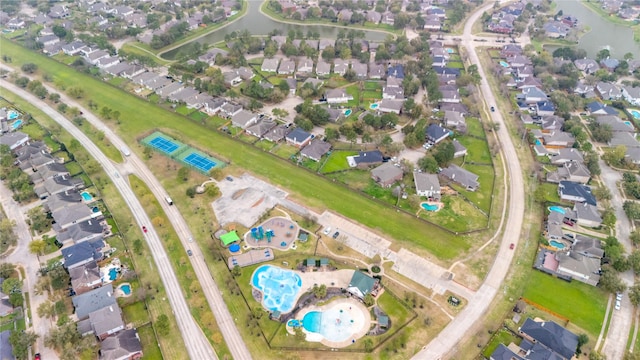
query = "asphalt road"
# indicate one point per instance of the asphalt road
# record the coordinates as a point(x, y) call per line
point(196, 343)
point(29, 262)
point(444, 345)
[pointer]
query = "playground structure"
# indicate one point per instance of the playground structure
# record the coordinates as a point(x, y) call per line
point(277, 232)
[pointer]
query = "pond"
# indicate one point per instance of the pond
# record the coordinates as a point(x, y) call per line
point(259, 24)
point(602, 31)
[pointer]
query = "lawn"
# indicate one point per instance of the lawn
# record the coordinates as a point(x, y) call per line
point(73, 167)
point(136, 314)
point(372, 85)
point(474, 127)
point(457, 215)
point(477, 150)
point(149, 344)
point(551, 193)
point(318, 193)
point(502, 336)
point(482, 196)
point(353, 90)
point(582, 304)
point(34, 130)
point(337, 161)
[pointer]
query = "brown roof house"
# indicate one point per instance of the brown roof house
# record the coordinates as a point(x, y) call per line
point(387, 174)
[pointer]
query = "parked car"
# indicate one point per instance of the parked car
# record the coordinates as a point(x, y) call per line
point(327, 230)
point(336, 234)
point(144, 228)
point(37, 356)
point(493, 109)
point(189, 252)
point(617, 304)
point(512, 246)
point(619, 296)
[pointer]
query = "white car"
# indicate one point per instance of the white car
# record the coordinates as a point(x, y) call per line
point(619, 296)
point(617, 305)
point(327, 230)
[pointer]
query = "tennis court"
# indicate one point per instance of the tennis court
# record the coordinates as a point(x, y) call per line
point(199, 162)
point(163, 144)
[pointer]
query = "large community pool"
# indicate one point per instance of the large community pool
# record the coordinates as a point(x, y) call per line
point(280, 287)
point(635, 113)
point(336, 322)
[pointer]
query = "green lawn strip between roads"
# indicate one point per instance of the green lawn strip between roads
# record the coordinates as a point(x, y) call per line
point(145, 268)
point(582, 304)
point(139, 116)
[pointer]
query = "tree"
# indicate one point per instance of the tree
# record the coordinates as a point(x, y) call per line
point(634, 295)
point(22, 82)
point(12, 286)
point(369, 300)
point(212, 190)
point(444, 154)
point(634, 237)
point(319, 291)
point(55, 97)
point(183, 174)
point(609, 217)
point(6, 269)
point(582, 339)
point(594, 355)
point(610, 281)
point(632, 209)
point(162, 324)
point(38, 220)
point(46, 310)
point(602, 54)
point(29, 68)
point(21, 341)
point(76, 92)
point(37, 247)
point(634, 261)
point(191, 191)
point(428, 164)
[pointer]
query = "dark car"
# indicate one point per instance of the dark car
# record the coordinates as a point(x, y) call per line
point(512, 246)
point(229, 178)
point(493, 109)
point(189, 252)
point(144, 228)
point(336, 234)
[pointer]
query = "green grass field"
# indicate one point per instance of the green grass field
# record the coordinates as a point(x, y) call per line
point(318, 193)
point(502, 336)
point(457, 214)
point(477, 150)
point(582, 304)
point(337, 161)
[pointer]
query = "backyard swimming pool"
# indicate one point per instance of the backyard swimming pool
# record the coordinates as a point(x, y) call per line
point(12, 115)
point(430, 207)
point(629, 123)
point(347, 112)
point(113, 274)
point(557, 209)
point(374, 106)
point(450, 50)
point(86, 196)
point(635, 113)
point(504, 63)
point(280, 287)
point(16, 124)
point(126, 289)
point(556, 244)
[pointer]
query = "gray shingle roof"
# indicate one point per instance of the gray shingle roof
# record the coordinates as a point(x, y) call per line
point(93, 300)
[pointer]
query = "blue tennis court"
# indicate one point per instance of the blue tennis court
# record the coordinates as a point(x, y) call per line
point(199, 162)
point(164, 145)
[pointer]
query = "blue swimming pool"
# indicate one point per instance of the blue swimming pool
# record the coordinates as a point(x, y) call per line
point(333, 324)
point(450, 50)
point(113, 274)
point(504, 63)
point(374, 106)
point(280, 287)
point(538, 142)
point(556, 244)
point(557, 209)
point(86, 196)
point(12, 115)
point(429, 207)
point(635, 113)
point(16, 124)
point(126, 289)
point(629, 123)
point(347, 112)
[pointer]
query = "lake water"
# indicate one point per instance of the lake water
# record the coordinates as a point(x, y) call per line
point(617, 38)
point(258, 24)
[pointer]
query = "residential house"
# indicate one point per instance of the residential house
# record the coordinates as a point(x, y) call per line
point(345, 15)
point(503, 352)
point(261, 128)
point(457, 107)
point(373, 17)
point(558, 139)
point(337, 96)
point(85, 277)
point(340, 66)
point(59, 12)
point(57, 184)
point(585, 90)
point(244, 118)
point(287, 67)
point(360, 70)
point(576, 192)
point(608, 91)
point(615, 123)
point(574, 171)
point(564, 155)
point(124, 345)
point(545, 108)
point(461, 176)
point(107, 62)
point(391, 106)
point(293, 85)
point(298, 138)
point(556, 29)
point(632, 155)
point(48, 171)
point(211, 56)
point(87, 230)
point(598, 108)
point(388, 18)
point(48, 40)
point(609, 64)
point(631, 95)
point(315, 150)
point(587, 66)
point(623, 138)
point(277, 133)
point(305, 65)
point(213, 105)
point(436, 133)
point(93, 300)
point(427, 185)
point(229, 109)
point(533, 95)
point(376, 71)
point(62, 200)
point(397, 71)
point(387, 174)
point(459, 149)
point(106, 321)
point(587, 246)
point(94, 56)
point(15, 24)
point(323, 43)
point(323, 68)
point(365, 159)
point(587, 215)
point(454, 120)
point(82, 253)
point(554, 337)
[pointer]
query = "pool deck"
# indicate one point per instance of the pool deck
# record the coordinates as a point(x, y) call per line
point(354, 308)
point(250, 257)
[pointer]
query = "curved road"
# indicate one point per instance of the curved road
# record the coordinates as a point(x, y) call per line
point(444, 344)
point(196, 343)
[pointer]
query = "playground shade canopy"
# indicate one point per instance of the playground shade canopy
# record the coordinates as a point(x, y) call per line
point(229, 238)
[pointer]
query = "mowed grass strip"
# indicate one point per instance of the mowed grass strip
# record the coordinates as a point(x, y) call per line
point(582, 304)
point(139, 116)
